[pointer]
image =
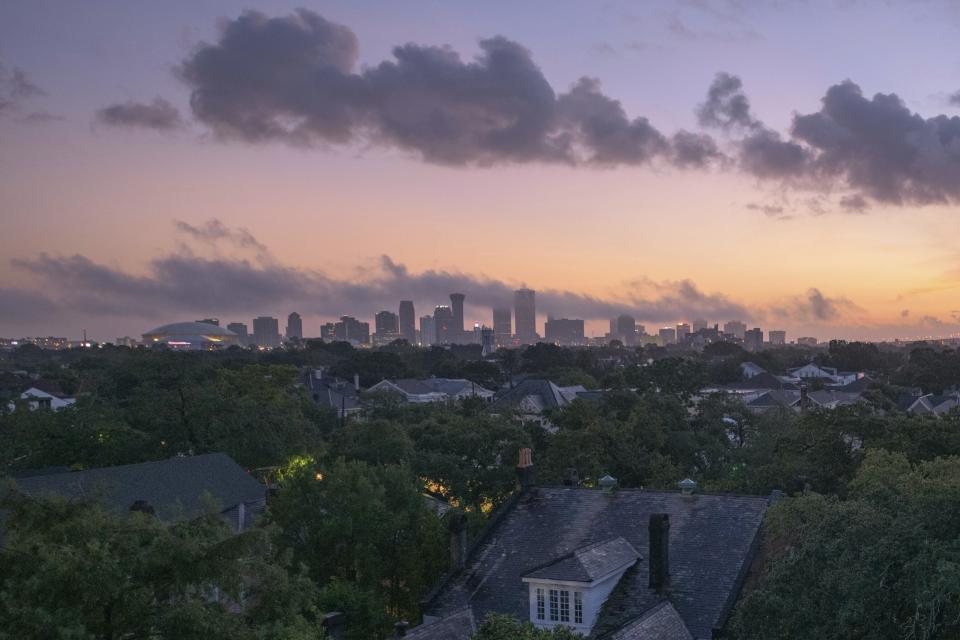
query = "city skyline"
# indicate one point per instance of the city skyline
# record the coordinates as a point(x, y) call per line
point(128, 201)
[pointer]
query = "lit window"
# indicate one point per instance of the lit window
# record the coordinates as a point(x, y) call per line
point(578, 607)
point(564, 606)
point(554, 605)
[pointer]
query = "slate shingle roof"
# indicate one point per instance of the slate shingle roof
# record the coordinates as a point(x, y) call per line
point(589, 563)
point(455, 626)
point(176, 488)
point(711, 544)
point(549, 394)
point(660, 622)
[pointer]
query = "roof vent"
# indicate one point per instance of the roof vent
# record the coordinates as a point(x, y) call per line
point(687, 486)
point(607, 483)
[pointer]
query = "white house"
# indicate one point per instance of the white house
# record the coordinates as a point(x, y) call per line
point(812, 371)
point(40, 399)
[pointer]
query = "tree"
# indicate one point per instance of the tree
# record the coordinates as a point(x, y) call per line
point(882, 563)
point(500, 627)
point(364, 533)
point(72, 570)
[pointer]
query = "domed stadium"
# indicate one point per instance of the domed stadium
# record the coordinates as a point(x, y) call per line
point(191, 335)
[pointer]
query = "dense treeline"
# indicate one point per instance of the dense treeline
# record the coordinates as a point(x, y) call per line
point(349, 529)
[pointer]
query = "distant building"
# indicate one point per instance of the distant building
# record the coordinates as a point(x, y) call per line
point(668, 335)
point(683, 330)
point(699, 325)
point(807, 341)
point(214, 321)
point(408, 321)
point(126, 341)
point(443, 323)
point(387, 327)
point(502, 326)
point(47, 342)
point(777, 337)
point(488, 340)
point(428, 331)
point(240, 329)
point(266, 332)
point(736, 329)
point(431, 389)
point(525, 315)
point(190, 336)
point(564, 331)
point(456, 307)
point(351, 330)
point(328, 332)
point(753, 339)
point(294, 327)
point(624, 329)
point(44, 394)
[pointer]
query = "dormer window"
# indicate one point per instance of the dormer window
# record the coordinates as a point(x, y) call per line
point(571, 590)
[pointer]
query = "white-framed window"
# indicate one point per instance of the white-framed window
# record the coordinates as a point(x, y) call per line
point(554, 605)
point(564, 606)
point(577, 607)
point(541, 604)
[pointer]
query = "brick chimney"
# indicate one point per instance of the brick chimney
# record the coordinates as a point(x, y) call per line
point(659, 551)
point(457, 526)
point(526, 472)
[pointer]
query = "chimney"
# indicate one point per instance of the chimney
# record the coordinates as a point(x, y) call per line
point(400, 628)
point(571, 478)
point(526, 472)
point(659, 551)
point(687, 486)
point(457, 525)
point(356, 382)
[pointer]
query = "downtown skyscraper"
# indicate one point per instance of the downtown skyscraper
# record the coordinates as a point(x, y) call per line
point(525, 315)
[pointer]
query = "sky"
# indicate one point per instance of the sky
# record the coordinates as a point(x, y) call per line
point(794, 164)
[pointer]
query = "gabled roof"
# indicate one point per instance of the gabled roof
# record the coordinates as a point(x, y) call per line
point(456, 386)
point(175, 488)
point(456, 626)
point(775, 398)
point(589, 563)
point(549, 394)
point(711, 546)
point(660, 622)
point(833, 398)
point(762, 381)
point(859, 385)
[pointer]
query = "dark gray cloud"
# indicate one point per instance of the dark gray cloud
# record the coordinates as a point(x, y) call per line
point(954, 98)
point(814, 306)
point(294, 79)
point(695, 150)
point(20, 305)
point(159, 115)
point(879, 148)
point(875, 149)
point(213, 231)
point(726, 106)
point(16, 89)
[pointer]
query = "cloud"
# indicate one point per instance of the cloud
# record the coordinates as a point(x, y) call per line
point(16, 88)
point(875, 148)
point(159, 115)
point(20, 305)
point(954, 99)
point(293, 79)
point(769, 210)
point(905, 313)
point(184, 283)
point(213, 231)
point(727, 106)
point(814, 306)
point(678, 28)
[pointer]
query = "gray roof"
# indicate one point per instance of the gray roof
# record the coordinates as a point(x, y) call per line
point(549, 394)
point(412, 386)
point(775, 398)
point(190, 329)
point(711, 545)
point(176, 488)
point(589, 563)
point(660, 622)
point(456, 626)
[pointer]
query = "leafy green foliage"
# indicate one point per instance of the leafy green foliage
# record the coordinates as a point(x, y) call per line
point(498, 627)
point(71, 570)
point(882, 563)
